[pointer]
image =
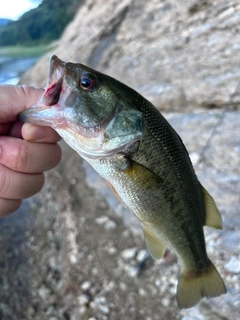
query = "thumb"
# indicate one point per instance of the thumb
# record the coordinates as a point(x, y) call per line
point(14, 99)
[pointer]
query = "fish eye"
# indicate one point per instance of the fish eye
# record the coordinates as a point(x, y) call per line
point(87, 82)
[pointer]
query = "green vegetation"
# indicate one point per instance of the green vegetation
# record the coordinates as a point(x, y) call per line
point(25, 51)
point(41, 25)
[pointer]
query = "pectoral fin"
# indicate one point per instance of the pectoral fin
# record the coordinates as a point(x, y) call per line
point(142, 176)
point(213, 218)
point(155, 246)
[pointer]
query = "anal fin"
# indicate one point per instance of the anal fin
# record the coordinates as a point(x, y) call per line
point(154, 245)
point(213, 218)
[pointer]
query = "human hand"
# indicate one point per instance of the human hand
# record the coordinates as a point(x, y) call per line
point(26, 150)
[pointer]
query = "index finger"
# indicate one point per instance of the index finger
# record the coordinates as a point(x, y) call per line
point(14, 99)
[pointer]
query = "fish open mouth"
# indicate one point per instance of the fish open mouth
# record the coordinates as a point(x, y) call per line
point(46, 110)
point(52, 93)
point(55, 81)
point(51, 109)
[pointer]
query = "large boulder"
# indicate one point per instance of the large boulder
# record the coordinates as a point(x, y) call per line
point(178, 54)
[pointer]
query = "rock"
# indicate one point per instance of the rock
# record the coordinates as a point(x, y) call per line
point(82, 310)
point(178, 56)
point(141, 255)
point(101, 220)
point(104, 309)
point(142, 292)
point(83, 299)
point(166, 302)
point(100, 304)
point(233, 265)
point(123, 286)
point(195, 157)
point(131, 271)
point(86, 286)
point(112, 250)
point(129, 254)
point(110, 225)
point(43, 292)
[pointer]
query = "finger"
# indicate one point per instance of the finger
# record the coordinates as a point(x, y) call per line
point(8, 206)
point(14, 99)
point(34, 133)
point(16, 130)
point(4, 128)
point(12, 129)
point(17, 185)
point(27, 157)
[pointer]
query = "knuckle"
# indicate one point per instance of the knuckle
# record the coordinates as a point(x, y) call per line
point(3, 181)
point(21, 158)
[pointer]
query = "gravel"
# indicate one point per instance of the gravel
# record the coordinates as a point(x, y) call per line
point(69, 254)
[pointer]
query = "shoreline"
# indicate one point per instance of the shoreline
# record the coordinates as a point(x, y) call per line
point(11, 69)
point(16, 60)
point(26, 51)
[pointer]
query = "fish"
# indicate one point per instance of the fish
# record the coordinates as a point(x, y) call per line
point(143, 159)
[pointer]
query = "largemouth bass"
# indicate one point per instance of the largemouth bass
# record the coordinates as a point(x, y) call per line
point(129, 143)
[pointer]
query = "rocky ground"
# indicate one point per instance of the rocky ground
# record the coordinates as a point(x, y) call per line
point(72, 251)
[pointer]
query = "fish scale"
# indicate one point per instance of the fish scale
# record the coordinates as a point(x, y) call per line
point(130, 144)
point(157, 202)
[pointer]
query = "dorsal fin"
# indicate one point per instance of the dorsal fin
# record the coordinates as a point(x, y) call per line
point(213, 218)
point(155, 246)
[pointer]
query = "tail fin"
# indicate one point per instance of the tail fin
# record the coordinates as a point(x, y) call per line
point(192, 289)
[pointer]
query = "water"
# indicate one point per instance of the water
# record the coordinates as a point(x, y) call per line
point(11, 69)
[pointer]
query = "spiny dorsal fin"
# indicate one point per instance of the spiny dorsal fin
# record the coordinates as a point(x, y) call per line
point(155, 246)
point(213, 218)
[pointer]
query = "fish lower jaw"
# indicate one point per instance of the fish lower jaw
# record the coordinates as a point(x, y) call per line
point(91, 151)
point(90, 148)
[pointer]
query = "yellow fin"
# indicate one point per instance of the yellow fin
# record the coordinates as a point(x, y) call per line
point(155, 246)
point(142, 176)
point(191, 289)
point(213, 218)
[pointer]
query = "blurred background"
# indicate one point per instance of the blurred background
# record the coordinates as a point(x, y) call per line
point(72, 251)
